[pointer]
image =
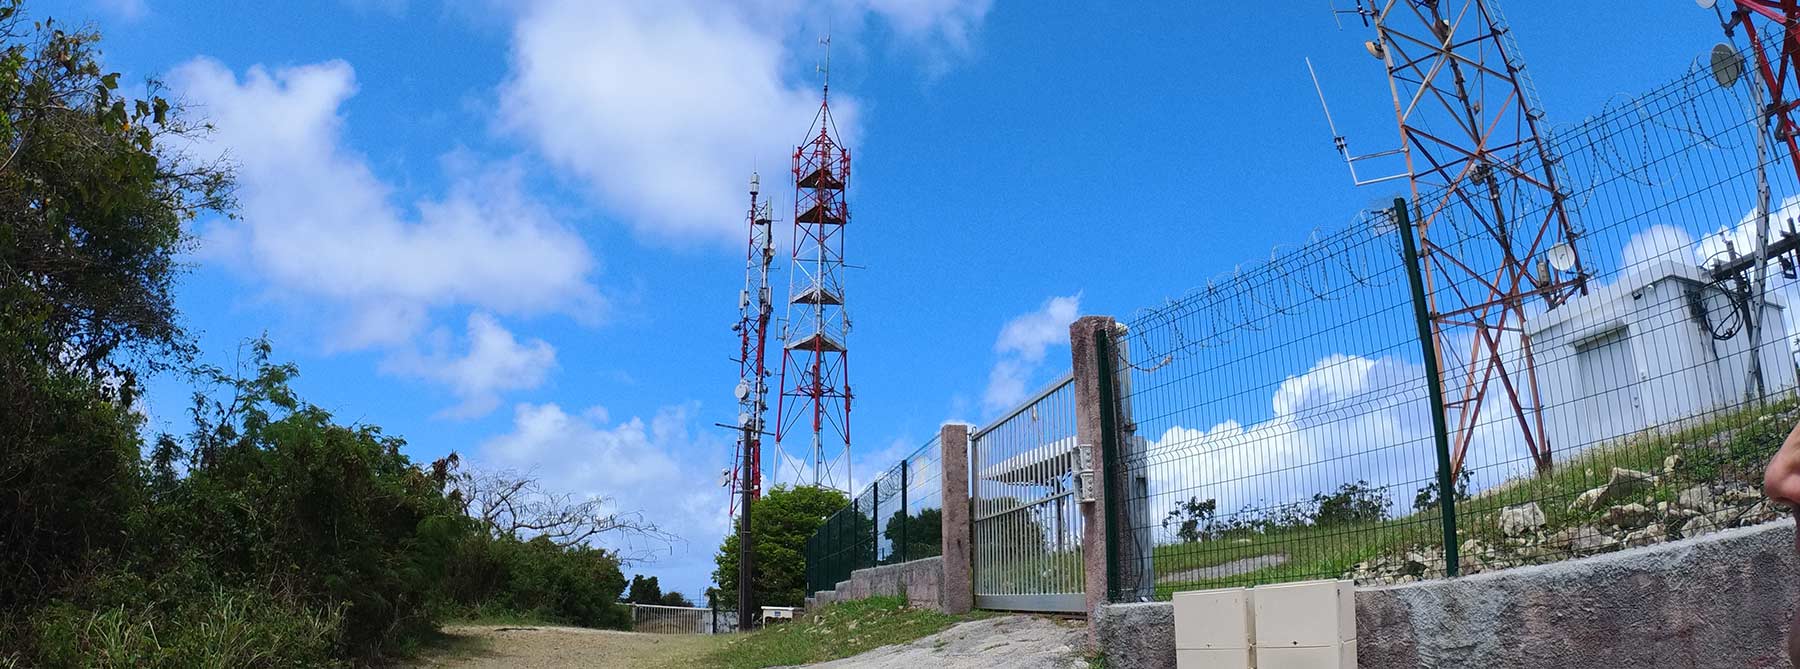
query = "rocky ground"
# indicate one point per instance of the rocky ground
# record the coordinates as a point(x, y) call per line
point(1008, 642)
point(1632, 509)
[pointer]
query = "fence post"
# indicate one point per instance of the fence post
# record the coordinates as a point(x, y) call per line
point(1099, 555)
point(905, 511)
point(875, 522)
point(955, 530)
point(1433, 386)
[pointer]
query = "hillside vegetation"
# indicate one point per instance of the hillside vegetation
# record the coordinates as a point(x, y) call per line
point(270, 533)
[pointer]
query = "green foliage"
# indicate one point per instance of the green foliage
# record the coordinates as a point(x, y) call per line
point(783, 520)
point(644, 591)
point(1739, 455)
point(1350, 504)
point(1192, 520)
point(1427, 497)
point(270, 535)
point(673, 598)
point(502, 577)
point(915, 536)
point(223, 629)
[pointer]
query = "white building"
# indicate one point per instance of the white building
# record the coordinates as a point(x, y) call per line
point(1646, 352)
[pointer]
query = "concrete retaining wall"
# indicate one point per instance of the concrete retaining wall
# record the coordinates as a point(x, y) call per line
point(922, 581)
point(1723, 600)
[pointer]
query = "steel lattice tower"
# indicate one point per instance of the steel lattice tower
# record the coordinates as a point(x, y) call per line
point(815, 375)
point(755, 305)
point(1489, 207)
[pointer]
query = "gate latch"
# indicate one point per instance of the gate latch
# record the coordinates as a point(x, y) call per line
point(1084, 472)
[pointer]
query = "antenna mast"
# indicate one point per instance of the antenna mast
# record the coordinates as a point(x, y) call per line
point(754, 308)
point(815, 375)
point(1492, 220)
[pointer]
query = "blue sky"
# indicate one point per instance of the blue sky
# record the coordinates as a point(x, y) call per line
point(512, 229)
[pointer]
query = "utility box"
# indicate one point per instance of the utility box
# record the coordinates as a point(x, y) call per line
point(1213, 629)
point(1309, 625)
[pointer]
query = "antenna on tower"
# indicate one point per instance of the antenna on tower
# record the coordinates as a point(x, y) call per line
point(1343, 145)
point(824, 66)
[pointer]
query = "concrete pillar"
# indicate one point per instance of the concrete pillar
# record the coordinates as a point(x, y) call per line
point(959, 575)
point(1084, 349)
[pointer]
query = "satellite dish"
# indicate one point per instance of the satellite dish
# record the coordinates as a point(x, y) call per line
point(1374, 48)
point(1727, 65)
point(742, 390)
point(1562, 257)
point(1705, 4)
point(744, 418)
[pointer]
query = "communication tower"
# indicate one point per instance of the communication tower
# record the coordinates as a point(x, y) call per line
point(813, 410)
point(755, 305)
point(1493, 223)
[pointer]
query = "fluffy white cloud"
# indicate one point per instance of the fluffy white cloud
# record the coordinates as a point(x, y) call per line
point(662, 108)
point(1658, 243)
point(1022, 345)
point(496, 361)
point(318, 225)
point(640, 465)
point(128, 10)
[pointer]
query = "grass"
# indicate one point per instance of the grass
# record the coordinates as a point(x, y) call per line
point(837, 631)
point(1727, 446)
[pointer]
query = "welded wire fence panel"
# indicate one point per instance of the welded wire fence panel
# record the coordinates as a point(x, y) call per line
point(1027, 521)
point(1283, 418)
point(1664, 387)
point(896, 518)
point(1282, 410)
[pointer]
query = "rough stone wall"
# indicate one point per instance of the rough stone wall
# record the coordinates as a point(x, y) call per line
point(922, 581)
point(1723, 600)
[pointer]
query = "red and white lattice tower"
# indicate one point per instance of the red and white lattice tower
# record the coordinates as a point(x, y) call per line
point(755, 305)
point(812, 429)
point(1493, 222)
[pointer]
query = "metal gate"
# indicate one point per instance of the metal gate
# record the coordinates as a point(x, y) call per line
point(1027, 521)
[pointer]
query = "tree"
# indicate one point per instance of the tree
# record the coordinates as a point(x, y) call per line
point(644, 591)
point(510, 504)
point(1427, 497)
point(783, 520)
point(917, 536)
point(673, 598)
point(1351, 503)
point(1192, 519)
point(93, 194)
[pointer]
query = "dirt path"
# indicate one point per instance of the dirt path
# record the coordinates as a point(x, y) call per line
point(546, 647)
point(1008, 642)
point(1233, 568)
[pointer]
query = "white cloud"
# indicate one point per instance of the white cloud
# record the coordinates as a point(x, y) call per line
point(1022, 345)
point(496, 361)
point(663, 108)
point(643, 466)
point(128, 10)
point(1656, 243)
point(318, 225)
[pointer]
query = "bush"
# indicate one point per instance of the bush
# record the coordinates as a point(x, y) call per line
point(507, 578)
